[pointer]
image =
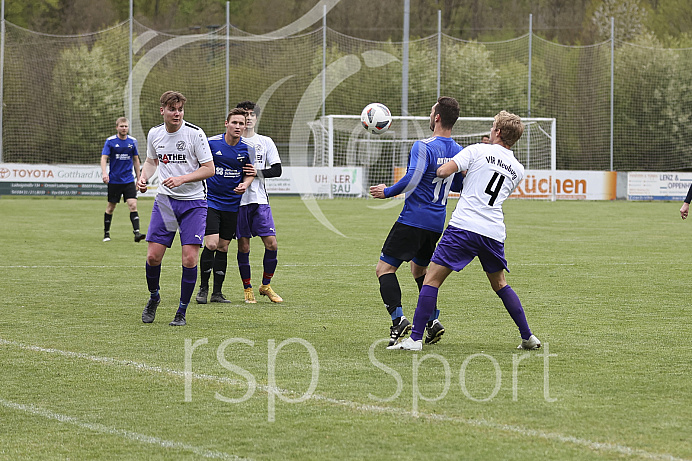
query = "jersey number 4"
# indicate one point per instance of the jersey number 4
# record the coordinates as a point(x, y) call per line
point(493, 189)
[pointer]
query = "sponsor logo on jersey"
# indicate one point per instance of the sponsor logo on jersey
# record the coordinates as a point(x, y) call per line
point(218, 152)
point(172, 158)
point(180, 145)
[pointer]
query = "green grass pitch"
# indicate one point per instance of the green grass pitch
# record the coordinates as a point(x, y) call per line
point(604, 284)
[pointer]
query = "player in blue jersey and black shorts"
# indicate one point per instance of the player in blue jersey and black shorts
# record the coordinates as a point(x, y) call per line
point(121, 151)
point(421, 222)
point(231, 153)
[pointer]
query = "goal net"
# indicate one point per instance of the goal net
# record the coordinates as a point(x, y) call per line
point(341, 141)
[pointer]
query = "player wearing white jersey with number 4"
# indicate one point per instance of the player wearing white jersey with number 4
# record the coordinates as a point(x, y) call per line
point(477, 228)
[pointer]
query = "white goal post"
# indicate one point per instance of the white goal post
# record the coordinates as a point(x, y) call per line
point(341, 141)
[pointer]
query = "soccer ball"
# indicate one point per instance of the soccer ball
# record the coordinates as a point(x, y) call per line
point(376, 118)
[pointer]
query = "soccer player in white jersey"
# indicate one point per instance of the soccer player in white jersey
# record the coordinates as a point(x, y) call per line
point(477, 226)
point(255, 215)
point(422, 220)
point(181, 153)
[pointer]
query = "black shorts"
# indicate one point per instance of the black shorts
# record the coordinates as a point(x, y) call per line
point(406, 242)
point(127, 191)
point(222, 223)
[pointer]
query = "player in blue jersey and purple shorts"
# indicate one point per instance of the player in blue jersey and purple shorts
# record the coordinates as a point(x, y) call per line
point(181, 153)
point(421, 222)
point(476, 228)
point(231, 153)
point(121, 151)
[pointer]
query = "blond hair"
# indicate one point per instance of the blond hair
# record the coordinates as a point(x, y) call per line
point(510, 126)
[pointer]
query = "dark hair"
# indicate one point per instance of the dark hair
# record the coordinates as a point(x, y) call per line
point(249, 105)
point(170, 98)
point(235, 111)
point(448, 109)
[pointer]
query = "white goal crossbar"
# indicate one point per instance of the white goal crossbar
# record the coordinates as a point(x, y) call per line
point(340, 140)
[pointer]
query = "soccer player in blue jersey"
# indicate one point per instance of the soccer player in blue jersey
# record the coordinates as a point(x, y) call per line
point(477, 228)
point(421, 222)
point(180, 152)
point(231, 153)
point(121, 150)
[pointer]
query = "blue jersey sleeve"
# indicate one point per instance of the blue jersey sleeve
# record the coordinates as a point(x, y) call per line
point(106, 149)
point(417, 164)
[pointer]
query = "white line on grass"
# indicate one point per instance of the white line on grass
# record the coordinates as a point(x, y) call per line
point(135, 436)
point(567, 439)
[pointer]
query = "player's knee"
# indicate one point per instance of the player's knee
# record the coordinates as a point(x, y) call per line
point(243, 245)
point(153, 259)
point(271, 245)
point(190, 260)
point(498, 285)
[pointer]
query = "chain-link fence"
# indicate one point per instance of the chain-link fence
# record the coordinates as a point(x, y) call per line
point(62, 94)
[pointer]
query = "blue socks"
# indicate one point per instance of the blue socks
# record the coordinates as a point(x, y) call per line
point(398, 312)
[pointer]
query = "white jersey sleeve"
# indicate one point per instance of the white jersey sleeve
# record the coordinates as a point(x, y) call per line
point(266, 155)
point(492, 174)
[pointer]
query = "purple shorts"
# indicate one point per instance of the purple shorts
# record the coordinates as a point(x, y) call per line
point(255, 220)
point(458, 247)
point(170, 215)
